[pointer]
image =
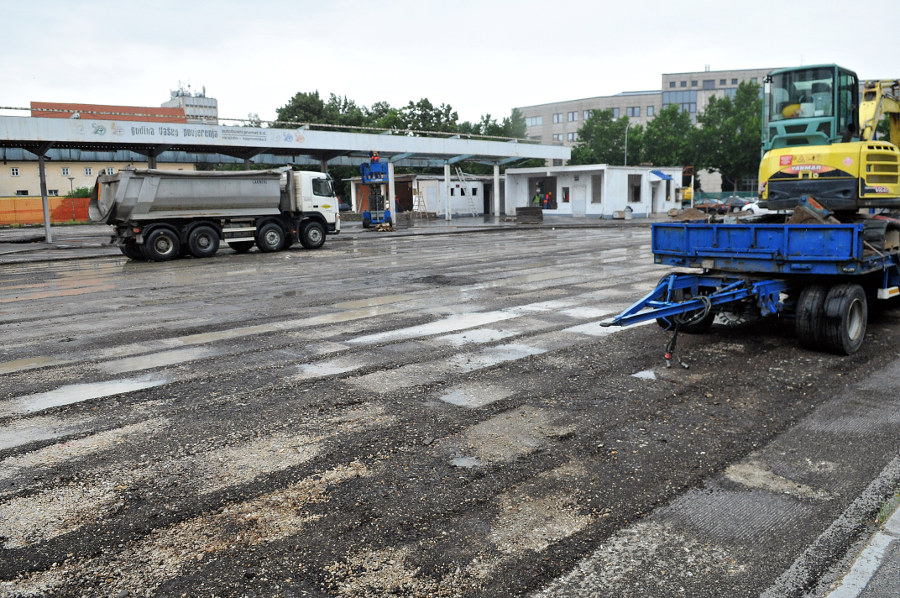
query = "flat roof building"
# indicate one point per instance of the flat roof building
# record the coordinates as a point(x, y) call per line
point(558, 122)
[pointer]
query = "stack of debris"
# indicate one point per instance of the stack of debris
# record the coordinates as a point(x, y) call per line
point(384, 227)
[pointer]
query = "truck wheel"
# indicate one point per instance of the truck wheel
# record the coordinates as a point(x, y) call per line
point(131, 250)
point(203, 241)
point(846, 315)
point(161, 245)
point(241, 246)
point(313, 235)
point(270, 238)
point(810, 317)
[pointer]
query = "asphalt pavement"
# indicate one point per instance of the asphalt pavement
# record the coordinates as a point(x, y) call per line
point(872, 569)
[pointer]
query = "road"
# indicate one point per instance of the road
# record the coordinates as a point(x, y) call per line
point(433, 415)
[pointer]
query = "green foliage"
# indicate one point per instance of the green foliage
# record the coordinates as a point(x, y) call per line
point(729, 140)
point(424, 116)
point(669, 138)
point(303, 108)
point(601, 140)
point(80, 192)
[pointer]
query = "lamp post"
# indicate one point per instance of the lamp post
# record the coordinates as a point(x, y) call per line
point(72, 194)
point(626, 145)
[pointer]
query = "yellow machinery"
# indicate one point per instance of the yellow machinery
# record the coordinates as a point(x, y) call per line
point(819, 140)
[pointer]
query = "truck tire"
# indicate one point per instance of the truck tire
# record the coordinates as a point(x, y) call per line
point(312, 236)
point(241, 246)
point(131, 250)
point(161, 245)
point(846, 316)
point(203, 241)
point(270, 238)
point(809, 320)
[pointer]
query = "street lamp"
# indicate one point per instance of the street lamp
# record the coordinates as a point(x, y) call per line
point(626, 145)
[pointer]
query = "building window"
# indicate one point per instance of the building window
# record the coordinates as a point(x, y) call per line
point(533, 121)
point(65, 171)
point(722, 81)
point(557, 161)
point(693, 84)
point(572, 116)
point(587, 114)
point(615, 112)
point(634, 188)
point(753, 80)
point(633, 111)
point(557, 118)
point(686, 100)
point(671, 84)
point(557, 137)
point(650, 110)
point(709, 84)
point(88, 171)
point(14, 171)
point(572, 136)
point(734, 82)
point(110, 170)
point(22, 192)
point(53, 192)
point(683, 83)
point(565, 194)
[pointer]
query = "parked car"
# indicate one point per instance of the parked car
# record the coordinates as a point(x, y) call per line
point(753, 208)
point(345, 207)
point(735, 203)
point(711, 206)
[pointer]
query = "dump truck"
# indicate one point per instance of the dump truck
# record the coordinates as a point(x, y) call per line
point(159, 215)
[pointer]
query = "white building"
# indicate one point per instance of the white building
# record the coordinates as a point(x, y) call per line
point(595, 190)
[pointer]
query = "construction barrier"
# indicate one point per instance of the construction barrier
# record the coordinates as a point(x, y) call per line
point(29, 210)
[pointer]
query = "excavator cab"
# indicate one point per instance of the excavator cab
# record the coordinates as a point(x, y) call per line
point(815, 105)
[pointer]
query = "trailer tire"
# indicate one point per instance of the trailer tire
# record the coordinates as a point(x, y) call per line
point(203, 241)
point(312, 235)
point(809, 320)
point(270, 238)
point(131, 250)
point(846, 316)
point(366, 221)
point(161, 245)
point(241, 246)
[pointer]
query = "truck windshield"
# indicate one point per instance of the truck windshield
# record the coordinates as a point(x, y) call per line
point(801, 93)
point(322, 186)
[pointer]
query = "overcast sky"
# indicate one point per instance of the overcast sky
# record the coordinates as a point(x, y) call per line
point(479, 56)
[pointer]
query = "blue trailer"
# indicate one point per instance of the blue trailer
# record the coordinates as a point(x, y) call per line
point(819, 275)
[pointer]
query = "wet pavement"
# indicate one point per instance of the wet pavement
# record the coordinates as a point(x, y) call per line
point(492, 380)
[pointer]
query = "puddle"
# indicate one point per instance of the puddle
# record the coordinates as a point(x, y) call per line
point(326, 368)
point(473, 397)
point(645, 375)
point(477, 336)
point(494, 356)
point(19, 433)
point(450, 324)
point(76, 393)
point(156, 360)
point(31, 363)
point(466, 462)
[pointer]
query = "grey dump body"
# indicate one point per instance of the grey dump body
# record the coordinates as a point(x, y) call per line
point(160, 215)
point(149, 195)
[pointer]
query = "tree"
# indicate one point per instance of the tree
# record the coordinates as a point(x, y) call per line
point(424, 116)
point(729, 140)
point(601, 140)
point(304, 107)
point(669, 138)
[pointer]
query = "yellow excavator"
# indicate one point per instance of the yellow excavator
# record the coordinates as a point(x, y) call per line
point(819, 140)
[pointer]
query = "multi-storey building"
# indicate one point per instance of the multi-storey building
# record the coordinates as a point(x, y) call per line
point(559, 122)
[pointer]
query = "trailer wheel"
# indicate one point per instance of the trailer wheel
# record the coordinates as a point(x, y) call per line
point(366, 221)
point(809, 321)
point(846, 315)
point(161, 245)
point(203, 241)
point(270, 238)
point(312, 236)
point(131, 250)
point(241, 246)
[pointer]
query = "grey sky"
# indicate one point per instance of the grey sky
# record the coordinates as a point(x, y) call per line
point(478, 56)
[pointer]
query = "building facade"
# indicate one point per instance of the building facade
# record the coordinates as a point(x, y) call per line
point(559, 122)
point(595, 190)
point(198, 108)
